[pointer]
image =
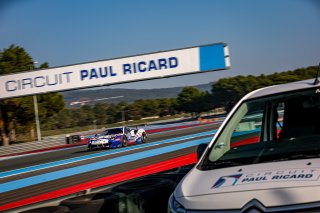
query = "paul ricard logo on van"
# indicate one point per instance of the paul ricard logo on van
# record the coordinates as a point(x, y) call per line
point(268, 176)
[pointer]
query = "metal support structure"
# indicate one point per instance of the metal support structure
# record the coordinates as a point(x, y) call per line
point(36, 114)
point(36, 111)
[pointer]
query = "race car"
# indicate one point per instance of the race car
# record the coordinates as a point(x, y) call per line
point(117, 137)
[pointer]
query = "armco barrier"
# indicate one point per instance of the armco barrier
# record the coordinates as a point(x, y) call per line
point(47, 142)
point(30, 146)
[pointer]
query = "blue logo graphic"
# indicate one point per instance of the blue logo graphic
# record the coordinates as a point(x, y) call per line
point(229, 180)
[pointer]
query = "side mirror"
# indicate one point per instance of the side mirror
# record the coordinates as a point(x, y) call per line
point(200, 150)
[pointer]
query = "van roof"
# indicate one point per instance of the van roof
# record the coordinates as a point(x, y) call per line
point(282, 88)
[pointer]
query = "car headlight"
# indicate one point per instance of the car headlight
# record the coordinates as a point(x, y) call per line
point(175, 206)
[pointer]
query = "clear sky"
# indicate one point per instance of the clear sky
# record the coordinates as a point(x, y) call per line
point(263, 36)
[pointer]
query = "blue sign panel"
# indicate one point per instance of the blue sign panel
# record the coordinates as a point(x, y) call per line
point(212, 57)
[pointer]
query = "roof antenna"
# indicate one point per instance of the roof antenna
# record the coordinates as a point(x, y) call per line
point(316, 81)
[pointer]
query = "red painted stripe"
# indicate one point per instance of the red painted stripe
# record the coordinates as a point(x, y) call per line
point(252, 140)
point(135, 173)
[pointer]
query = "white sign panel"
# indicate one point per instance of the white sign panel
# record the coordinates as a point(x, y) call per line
point(116, 71)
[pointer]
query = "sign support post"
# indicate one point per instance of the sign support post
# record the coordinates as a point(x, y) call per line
point(36, 111)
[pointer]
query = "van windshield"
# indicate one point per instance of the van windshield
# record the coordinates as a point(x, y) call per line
point(274, 128)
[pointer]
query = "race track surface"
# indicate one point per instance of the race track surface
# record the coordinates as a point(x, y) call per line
point(28, 179)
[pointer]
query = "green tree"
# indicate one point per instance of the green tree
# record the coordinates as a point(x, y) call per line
point(133, 112)
point(15, 59)
point(191, 100)
point(100, 113)
point(85, 116)
point(18, 113)
point(149, 108)
point(166, 106)
point(114, 113)
point(227, 91)
point(64, 119)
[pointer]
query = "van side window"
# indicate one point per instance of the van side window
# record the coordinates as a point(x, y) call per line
point(244, 128)
point(248, 130)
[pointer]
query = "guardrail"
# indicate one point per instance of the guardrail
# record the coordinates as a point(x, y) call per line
point(46, 142)
point(31, 146)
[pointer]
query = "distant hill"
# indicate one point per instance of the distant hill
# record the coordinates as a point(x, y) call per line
point(93, 96)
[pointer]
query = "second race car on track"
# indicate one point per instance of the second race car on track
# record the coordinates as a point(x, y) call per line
point(117, 137)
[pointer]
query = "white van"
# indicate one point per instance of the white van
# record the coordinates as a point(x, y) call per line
point(265, 157)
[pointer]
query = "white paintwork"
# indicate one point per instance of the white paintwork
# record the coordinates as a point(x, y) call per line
point(278, 184)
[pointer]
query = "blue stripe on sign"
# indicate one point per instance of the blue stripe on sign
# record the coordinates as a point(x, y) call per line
point(212, 57)
point(17, 184)
point(109, 152)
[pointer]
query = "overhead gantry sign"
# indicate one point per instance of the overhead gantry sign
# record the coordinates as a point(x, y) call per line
point(115, 71)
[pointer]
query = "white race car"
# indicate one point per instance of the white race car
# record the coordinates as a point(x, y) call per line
point(117, 137)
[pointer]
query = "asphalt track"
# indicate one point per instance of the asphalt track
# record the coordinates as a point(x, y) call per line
point(37, 177)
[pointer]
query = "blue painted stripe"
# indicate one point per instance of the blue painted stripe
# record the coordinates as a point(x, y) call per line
point(25, 182)
point(212, 57)
point(101, 154)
